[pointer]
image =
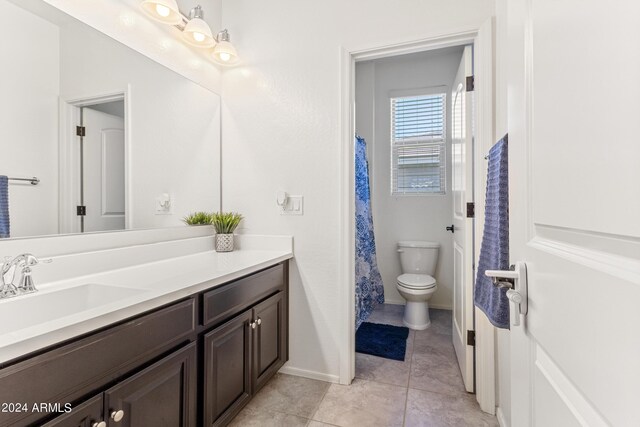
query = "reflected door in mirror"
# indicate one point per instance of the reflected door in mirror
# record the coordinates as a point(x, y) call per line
point(103, 171)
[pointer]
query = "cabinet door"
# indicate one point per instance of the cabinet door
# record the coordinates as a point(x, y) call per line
point(227, 370)
point(86, 414)
point(269, 339)
point(162, 395)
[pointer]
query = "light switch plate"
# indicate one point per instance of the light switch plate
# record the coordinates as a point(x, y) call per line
point(294, 206)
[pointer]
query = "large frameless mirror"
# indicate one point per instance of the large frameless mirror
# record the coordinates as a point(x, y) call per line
point(96, 136)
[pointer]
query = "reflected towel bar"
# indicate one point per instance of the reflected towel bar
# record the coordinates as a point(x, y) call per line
point(33, 181)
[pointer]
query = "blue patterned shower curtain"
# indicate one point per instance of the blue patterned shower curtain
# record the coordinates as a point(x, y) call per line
point(369, 288)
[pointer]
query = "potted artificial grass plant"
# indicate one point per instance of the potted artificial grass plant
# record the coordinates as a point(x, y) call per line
point(197, 218)
point(225, 224)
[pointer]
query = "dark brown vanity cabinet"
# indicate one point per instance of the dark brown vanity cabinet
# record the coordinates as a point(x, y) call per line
point(164, 394)
point(193, 362)
point(73, 372)
point(243, 353)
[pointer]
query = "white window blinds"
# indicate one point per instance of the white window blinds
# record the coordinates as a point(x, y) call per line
point(418, 137)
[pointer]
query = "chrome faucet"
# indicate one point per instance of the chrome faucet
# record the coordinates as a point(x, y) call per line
point(25, 262)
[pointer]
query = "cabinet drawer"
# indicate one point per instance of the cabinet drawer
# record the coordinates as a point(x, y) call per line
point(72, 371)
point(228, 300)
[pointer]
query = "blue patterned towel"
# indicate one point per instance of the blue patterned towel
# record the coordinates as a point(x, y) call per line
point(5, 224)
point(369, 287)
point(494, 251)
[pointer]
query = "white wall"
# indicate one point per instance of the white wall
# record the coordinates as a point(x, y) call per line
point(399, 218)
point(281, 130)
point(175, 123)
point(29, 118)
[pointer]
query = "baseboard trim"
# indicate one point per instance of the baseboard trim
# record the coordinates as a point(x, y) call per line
point(289, 370)
point(440, 306)
point(500, 417)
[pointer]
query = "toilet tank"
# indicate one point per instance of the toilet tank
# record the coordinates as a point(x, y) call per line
point(418, 257)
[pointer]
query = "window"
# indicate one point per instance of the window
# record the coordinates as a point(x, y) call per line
point(418, 144)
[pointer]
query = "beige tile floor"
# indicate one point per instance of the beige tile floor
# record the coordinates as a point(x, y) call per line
point(424, 390)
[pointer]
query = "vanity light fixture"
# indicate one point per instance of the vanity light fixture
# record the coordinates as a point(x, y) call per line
point(224, 52)
point(195, 30)
point(165, 11)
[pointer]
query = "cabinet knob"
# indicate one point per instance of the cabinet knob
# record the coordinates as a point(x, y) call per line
point(259, 321)
point(117, 416)
point(253, 325)
point(99, 424)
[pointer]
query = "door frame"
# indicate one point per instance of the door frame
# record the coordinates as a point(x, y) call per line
point(69, 194)
point(481, 38)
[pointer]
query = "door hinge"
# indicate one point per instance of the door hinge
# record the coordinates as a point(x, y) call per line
point(81, 131)
point(471, 83)
point(471, 338)
point(81, 210)
point(471, 210)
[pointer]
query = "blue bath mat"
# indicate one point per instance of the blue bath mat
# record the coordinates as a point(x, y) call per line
point(381, 340)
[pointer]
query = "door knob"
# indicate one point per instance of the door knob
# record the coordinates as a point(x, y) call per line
point(253, 325)
point(259, 321)
point(117, 416)
point(503, 278)
point(450, 228)
point(99, 424)
point(515, 280)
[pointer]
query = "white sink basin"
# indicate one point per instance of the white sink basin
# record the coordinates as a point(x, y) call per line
point(45, 306)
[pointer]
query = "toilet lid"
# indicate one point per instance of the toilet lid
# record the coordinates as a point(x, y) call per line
point(416, 281)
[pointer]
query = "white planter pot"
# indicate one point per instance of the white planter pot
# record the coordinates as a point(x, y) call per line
point(224, 242)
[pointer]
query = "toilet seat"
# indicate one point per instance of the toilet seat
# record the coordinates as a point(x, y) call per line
point(416, 281)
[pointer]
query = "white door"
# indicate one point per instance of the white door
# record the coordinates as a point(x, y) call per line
point(574, 169)
point(462, 188)
point(104, 186)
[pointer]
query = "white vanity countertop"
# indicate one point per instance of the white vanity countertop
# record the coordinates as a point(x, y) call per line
point(147, 286)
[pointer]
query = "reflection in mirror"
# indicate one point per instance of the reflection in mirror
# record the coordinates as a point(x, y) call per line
point(116, 140)
point(101, 179)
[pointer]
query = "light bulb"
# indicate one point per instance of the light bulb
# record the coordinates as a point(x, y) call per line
point(162, 10)
point(199, 37)
point(224, 52)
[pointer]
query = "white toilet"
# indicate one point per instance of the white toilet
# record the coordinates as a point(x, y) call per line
point(416, 285)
